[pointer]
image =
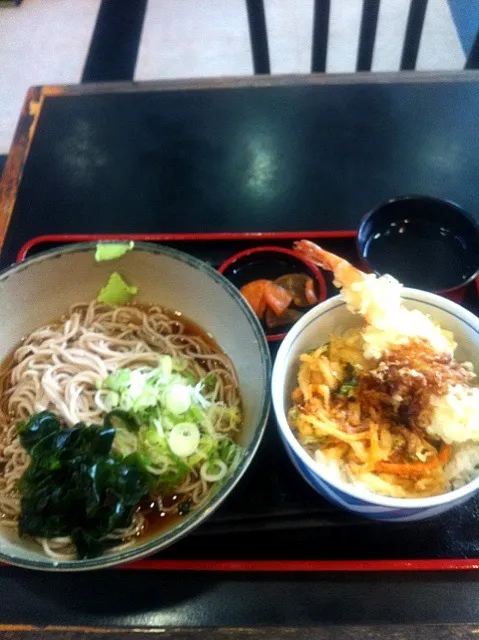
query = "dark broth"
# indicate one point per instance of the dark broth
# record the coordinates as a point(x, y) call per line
point(421, 255)
point(156, 520)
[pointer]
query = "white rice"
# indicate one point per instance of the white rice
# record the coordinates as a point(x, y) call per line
point(455, 417)
point(463, 466)
point(462, 469)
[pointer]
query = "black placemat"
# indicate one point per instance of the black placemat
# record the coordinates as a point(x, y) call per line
point(259, 159)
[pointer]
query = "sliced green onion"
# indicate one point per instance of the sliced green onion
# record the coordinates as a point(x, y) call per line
point(166, 365)
point(213, 471)
point(184, 439)
point(177, 399)
point(106, 400)
point(159, 427)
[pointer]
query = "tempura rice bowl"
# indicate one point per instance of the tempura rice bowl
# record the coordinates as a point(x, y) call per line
point(313, 330)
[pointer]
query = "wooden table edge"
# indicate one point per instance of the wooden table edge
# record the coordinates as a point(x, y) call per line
point(280, 80)
point(327, 632)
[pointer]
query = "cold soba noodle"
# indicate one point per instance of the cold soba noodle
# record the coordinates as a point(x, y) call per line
point(71, 368)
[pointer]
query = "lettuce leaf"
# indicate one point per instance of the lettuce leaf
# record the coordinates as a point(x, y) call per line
point(116, 291)
point(112, 250)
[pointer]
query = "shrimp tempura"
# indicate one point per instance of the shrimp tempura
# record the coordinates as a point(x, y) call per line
point(378, 300)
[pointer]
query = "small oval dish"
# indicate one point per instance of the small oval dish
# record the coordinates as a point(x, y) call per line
point(279, 285)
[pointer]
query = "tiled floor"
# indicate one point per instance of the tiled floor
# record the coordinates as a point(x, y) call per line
point(46, 41)
point(190, 38)
point(42, 41)
point(187, 38)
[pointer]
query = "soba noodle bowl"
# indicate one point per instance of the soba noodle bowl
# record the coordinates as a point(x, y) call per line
point(60, 368)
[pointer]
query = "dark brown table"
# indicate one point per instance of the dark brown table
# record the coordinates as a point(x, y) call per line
point(250, 154)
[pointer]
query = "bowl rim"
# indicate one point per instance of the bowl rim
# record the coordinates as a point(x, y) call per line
point(361, 241)
point(282, 364)
point(178, 531)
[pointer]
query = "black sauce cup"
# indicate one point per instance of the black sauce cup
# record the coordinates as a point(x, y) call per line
point(271, 262)
point(424, 242)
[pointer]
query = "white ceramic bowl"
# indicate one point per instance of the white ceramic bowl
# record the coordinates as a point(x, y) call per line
point(42, 288)
point(314, 330)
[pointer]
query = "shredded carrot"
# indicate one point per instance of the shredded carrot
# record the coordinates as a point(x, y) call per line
point(415, 468)
point(374, 445)
point(444, 453)
point(407, 469)
point(254, 292)
point(277, 298)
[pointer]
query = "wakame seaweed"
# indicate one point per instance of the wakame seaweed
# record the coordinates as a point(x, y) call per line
point(75, 485)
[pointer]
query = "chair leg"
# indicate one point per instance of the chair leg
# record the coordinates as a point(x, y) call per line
point(320, 35)
point(367, 35)
point(258, 36)
point(115, 41)
point(472, 61)
point(412, 40)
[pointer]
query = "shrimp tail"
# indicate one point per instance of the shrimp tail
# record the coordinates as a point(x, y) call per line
point(315, 254)
point(344, 272)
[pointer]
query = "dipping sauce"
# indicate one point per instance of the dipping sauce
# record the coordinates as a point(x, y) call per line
point(423, 242)
point(421, 255)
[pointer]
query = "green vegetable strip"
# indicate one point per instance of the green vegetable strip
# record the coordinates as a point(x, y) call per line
point(112, 250)
point(116, 291)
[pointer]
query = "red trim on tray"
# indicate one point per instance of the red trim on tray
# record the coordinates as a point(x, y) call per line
point(455, 295)
point(303, 566)
point(299, 566)
point(276, 337)
point(180, 237)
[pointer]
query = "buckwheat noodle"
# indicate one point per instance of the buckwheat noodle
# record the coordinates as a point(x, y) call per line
point(57, 367)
